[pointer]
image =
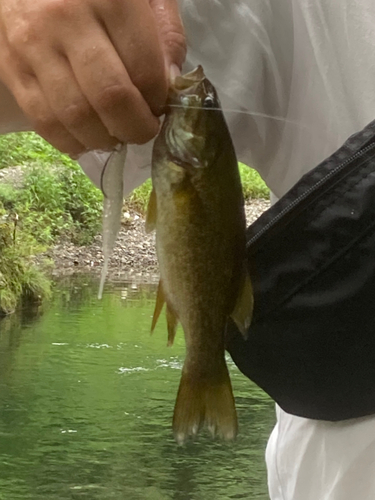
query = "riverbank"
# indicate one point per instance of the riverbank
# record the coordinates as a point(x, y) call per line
point(133, 255)
point(49, 208)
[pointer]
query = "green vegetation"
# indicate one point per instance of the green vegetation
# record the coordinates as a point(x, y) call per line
point(27, 148)
point(57, 201)
point(20, 280)
point(252, 183)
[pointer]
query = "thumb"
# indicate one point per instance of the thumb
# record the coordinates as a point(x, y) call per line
point(171, 33)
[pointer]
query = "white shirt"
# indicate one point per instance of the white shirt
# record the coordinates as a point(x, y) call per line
point(307, 64)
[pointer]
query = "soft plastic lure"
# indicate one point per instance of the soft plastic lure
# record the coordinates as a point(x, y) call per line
point(112, 185)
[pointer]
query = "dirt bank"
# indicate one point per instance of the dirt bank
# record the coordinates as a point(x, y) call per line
point(134, 253)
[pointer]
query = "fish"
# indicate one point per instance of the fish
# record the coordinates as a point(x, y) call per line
point(112, 184)
point(196, 208)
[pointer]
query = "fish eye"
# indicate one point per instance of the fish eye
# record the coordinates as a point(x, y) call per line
point(185, 101)
point(209, 102)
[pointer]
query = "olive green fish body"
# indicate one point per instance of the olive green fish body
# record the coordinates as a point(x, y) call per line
point(200, 243)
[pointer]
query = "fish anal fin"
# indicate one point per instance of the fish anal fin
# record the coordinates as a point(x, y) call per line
point(151, 213)
point(160, 299)
point(172, 323)
point(243, 310)
point(207, 403)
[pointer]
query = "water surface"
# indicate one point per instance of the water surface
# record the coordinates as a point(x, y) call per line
point(86, 401)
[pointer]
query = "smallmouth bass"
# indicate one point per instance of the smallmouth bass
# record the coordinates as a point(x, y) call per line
point(197, 209)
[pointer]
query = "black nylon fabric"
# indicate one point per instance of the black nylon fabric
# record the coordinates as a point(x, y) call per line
point(311, 257)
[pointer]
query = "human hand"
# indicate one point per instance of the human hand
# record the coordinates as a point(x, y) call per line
point(90, 73)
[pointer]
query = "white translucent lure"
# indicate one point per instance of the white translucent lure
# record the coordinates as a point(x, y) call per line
point(113, 190)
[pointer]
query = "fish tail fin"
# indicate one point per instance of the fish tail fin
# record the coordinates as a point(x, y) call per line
point(206, 401)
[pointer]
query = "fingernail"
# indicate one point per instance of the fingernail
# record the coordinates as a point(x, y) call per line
point(174, 71)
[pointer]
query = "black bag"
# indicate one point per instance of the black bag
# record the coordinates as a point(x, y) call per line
point(311, 257)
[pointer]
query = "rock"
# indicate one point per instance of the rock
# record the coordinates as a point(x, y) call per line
point(134, 252)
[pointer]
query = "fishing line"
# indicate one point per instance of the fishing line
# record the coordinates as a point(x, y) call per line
point(103, 172)
point(250, 113)
point(226, 110)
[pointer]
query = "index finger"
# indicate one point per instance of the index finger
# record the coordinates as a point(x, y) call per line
point(106, 84)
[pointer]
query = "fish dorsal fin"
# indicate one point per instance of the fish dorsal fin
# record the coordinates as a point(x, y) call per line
point(172, 322)
point(243, 310)
point(160, 299)
point(151, 213)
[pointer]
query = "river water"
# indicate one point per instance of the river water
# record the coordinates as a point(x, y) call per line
point(86, 401)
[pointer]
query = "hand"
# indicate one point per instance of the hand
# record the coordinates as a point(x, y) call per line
point(90, 73)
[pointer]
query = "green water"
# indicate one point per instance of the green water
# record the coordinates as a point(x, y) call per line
point(86, 400)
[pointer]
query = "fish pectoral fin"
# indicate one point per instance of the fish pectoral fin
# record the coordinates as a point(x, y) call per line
point(172, 322)
point(160, 299)
point(151, 213)
point(243, 310)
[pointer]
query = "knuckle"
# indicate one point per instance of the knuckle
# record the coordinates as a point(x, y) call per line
point(75, 115)
point(20, 36)
point(45, 125)
point(112, 96)
point(59, 8)
point(43, 121)
point(36, 20)
point(30, 104)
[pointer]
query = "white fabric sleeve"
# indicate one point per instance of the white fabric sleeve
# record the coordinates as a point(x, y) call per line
point(308, 66)
point(137, 166)
point(231, 39)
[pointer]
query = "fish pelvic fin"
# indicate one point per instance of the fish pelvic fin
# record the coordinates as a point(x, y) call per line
point(243, 310)
point(151, 213)
point(208, 402)
point(172, 322)
point(160, 299)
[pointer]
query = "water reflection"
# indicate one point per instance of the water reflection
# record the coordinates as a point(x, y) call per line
point(86, 400)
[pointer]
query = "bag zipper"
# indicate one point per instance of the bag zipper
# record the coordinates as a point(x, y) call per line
point(308, 192)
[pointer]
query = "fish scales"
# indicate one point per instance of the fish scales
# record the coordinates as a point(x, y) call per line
point(197, 209)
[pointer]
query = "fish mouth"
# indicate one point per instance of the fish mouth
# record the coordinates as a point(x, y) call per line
point(193, 90)
point(185, 82)
point(186, 125)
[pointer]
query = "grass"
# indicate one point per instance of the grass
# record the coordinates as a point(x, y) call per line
point(27, 148)
point(70, 192)
point(20, 280)
point(57, 201)
point(252, 184)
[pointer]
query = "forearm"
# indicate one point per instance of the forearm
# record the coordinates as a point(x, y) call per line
point(11, 117)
